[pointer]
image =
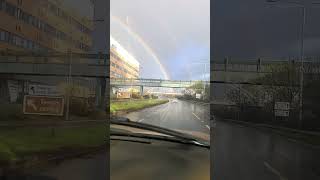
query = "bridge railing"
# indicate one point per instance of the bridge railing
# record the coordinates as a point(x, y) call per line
point(55, 64)
point(153, 82)
point(262, 65)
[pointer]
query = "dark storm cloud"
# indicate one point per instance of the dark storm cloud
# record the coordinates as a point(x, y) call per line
point(251, 28)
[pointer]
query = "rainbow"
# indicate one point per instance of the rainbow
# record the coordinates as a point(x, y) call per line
point(143, 43)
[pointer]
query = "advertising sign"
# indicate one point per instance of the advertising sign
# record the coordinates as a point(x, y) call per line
point(281, 109)
point(282, 105)
point(43, 105)
point(123, 95)
point(282, 113)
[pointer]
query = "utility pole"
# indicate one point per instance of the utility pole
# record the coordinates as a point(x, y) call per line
point(301, 66)
point(303, 23)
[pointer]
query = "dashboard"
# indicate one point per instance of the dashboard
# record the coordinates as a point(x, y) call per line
point(149, 159)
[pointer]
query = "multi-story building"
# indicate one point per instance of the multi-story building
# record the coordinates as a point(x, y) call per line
point(43, 25)
point(122, 64)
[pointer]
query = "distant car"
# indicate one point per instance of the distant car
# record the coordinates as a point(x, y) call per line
point(174, 101)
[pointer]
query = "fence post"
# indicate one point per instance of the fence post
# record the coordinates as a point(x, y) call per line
point(239, 110)
point(226, 59)
point(259, 65)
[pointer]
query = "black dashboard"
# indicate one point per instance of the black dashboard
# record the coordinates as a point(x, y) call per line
point(150, 159)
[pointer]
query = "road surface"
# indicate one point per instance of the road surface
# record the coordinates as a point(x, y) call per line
point(248, 153)
point(180, 115)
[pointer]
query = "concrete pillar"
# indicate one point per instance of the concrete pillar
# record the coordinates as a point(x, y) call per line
point(101, 42)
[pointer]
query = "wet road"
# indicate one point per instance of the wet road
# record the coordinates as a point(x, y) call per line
point(247, 153)
point(179, 115)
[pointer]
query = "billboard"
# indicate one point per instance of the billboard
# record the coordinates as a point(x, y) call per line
point(282, 109)
point(38, 89)
point(43, 105)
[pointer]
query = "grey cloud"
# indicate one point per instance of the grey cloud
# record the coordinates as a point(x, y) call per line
point(166, 26)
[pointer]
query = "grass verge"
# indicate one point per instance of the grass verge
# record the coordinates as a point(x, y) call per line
point(135, 105)
point(21, 142)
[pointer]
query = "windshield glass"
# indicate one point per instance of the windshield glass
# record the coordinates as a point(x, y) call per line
point(159, 64)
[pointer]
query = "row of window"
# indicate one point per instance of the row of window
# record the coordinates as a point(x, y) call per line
point(58, 12)
point(120, 68)
point(115, 74)
point(119, 59)
point(21, 42)
point(32, 20)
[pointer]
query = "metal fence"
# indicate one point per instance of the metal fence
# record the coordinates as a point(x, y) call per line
point(272, 97)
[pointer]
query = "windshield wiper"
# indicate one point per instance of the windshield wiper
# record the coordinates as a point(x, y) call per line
point(176, 136)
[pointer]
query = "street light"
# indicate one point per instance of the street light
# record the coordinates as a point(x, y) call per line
point(303, 23)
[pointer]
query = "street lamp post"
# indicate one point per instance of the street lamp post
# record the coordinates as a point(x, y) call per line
point(204, 74)
point(303, 23)
point(301, 66)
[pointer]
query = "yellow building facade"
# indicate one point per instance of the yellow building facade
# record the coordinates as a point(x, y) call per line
point(43, 26)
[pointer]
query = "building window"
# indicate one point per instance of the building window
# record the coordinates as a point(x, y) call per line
point(33, 21)
point(1, 4)
point(10, 9)
point(6, 37)
point(30, 45)
point(2, 36)
point(17, 41)
point(24, 43)
point(24, 17)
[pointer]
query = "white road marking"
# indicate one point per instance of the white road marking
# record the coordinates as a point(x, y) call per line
point(208, 127)
point(140, 120)
point(273, 170)
point(196, 116)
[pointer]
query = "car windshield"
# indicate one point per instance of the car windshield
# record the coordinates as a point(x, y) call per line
point(159, 65)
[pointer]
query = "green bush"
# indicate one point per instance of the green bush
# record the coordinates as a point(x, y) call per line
point(154, 96)
point(135, 95)
point(146, 96)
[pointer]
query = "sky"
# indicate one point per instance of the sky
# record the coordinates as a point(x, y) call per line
point(170, 38)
